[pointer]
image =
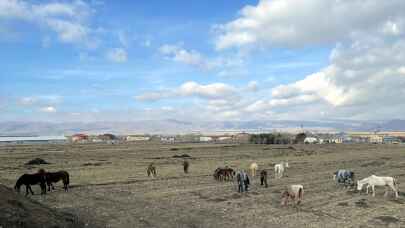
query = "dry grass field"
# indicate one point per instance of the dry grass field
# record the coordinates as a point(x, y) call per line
point(109, 184)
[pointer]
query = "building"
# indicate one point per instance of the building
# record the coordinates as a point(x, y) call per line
point(107, 137)
point(32, 139)
point(137, 138)
point(206, 139)
point(79, 138)
point(241, 138)
point(376, 139)
point(167, 139)
point(390, 140)
point(311, 140)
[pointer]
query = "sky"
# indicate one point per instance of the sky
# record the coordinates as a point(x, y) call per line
point(95, 60)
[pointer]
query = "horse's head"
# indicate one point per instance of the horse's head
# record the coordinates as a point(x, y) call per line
point(18, 184)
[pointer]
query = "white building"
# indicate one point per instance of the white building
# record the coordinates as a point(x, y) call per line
point(205, 139)
point(132, 138)
point(311, 140)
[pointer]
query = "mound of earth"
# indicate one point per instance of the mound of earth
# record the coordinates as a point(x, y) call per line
point(37, 161)
point(22, 212)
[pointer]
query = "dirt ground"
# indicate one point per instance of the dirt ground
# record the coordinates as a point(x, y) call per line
point(109, 184)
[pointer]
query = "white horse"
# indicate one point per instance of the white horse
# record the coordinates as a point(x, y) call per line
point(279, 169)
point(373, 181)
point(294, 192)
point(253, 169)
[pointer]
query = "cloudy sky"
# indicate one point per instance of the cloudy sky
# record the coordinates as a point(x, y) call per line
point(101, 60)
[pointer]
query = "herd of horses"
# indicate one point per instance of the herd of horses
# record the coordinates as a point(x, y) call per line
point(294, 192)
point(43, 179)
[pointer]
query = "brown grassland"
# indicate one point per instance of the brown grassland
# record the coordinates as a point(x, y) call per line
point(109, 184)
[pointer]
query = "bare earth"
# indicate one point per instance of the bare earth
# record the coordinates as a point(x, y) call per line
point(109, 184)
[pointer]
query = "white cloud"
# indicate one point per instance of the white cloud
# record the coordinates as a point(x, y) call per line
point(295, 23)
point(49, 109)
point(67, 20)
point(192, 89)
point(118, 55)
point(193, 58)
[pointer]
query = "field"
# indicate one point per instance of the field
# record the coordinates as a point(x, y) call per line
point(109, 185)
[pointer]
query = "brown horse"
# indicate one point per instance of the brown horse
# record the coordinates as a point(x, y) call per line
point(57, 176)
point(32, 179)
point(151, 170)
point(224, 174)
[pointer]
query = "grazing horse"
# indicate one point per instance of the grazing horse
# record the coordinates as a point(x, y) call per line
point(186, 164)
point(32, 179)
point(294, 192)
point(224, 173)
point(253, 169)
point(55, 177)
point(151, 170)
point(345, 177)
point(373, 181)
point(279, 169)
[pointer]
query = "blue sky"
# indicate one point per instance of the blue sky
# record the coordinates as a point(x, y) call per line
point(199, 60)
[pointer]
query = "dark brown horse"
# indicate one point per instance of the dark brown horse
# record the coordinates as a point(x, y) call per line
point(224, 174)
point(151, 170)
point(57, 176)
point(32, 179)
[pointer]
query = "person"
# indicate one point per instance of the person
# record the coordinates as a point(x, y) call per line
point(239, 179)
point(263, 178)
point(246, 180)
point(186, 164)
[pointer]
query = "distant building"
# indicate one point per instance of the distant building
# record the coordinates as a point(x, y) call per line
point(32, 139)
point(390, 140)
point(134, 138)
point(241, 138)
point(79, 138)
point(376, 139)
point(107, 137)
point(167, 139)
point(311, 140)
point(206, 139)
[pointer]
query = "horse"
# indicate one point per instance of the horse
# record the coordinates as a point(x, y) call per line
point(374, 180)
point(151, 170)
point(224, 173)
point(253, 169)
point(55, 177)
point(294, 192)
point(32, 179)
point(345, 177)
point(279, 169)
point(186, 164)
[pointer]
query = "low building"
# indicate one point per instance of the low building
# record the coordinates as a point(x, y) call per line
point(79, 138)
point(376, 139)
point(32, 139)
point(311, 140)
point(390, 140)
point(167, 139)
point(135, 138)
point(206, 139)
point(241, 138)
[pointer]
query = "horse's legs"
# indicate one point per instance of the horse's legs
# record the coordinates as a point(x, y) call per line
point(372, 188)
point(26, 190)
point(29, 187)
point(394, 189)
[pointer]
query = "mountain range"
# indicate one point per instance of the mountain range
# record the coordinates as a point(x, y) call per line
point(173, 126)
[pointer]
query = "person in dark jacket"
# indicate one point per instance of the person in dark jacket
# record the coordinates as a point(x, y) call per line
point(186, 164)
point(246, 180)
point(263, 178)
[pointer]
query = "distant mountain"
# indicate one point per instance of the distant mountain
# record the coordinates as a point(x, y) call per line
point(173, 126)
